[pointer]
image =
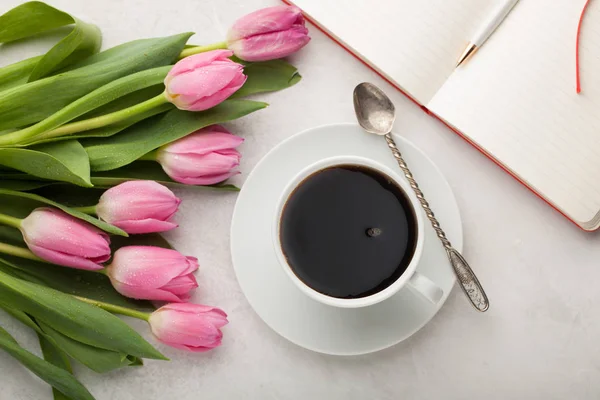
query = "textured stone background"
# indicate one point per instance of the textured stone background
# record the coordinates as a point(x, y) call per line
point(538, 341)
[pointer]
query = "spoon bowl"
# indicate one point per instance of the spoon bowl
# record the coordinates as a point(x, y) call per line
point(374, 110)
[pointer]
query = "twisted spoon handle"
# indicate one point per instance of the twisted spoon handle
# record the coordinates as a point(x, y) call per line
point(468, 281)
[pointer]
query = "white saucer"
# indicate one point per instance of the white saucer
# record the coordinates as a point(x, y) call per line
point(280, 303)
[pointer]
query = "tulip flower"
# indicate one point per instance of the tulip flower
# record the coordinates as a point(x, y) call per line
point(203, 80)
point(270, 33)
point(205, 157)
point(59, 238)
point(153, 273)
point(187, 326)
point(138, 207)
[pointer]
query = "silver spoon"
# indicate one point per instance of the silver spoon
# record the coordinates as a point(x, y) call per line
point(376, 114)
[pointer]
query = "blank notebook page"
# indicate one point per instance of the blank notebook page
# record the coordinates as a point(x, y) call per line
point(516, 99)
point(414, 43)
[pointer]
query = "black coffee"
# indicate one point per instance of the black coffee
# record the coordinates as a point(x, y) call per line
point(348, 231)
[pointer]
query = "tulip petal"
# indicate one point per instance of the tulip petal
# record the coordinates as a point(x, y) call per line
point(137, 200)
point(191, 330)
point(272, 45)
point(153, 273)
point(205, 141)
point(199, 60)
point(53, 229)
point(68, 260)
point(197, 165)
point(205, 179)
point(193, 308)
point(192, 327)
point(146, 293)
point(217, 316)
point(145, 226)
point(148, 266)
point(202, 158)
point(205, 103)
point(199, 349)
point(181, 285)
point(203, 82)
point(192, 265)
point(266, 20)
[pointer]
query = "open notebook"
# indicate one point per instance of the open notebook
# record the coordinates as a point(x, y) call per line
point(515, 99)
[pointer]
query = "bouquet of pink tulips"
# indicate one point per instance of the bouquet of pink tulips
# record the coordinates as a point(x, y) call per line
point(88, 142)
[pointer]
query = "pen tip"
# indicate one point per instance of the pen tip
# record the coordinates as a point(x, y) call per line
point(469, 51)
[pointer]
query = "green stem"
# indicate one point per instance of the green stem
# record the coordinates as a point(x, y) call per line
point(20, 252)
point(103, 120)
point(116, 309)
point(10, 221)
point(151, 156)
point(190, 51)
point(90, 210)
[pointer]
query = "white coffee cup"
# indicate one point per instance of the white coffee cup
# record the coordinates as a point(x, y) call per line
point(410, 277)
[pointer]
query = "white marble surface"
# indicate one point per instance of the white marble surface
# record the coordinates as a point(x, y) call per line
point(539, 340)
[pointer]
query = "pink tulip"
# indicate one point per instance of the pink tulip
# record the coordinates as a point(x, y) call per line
point(153, 273)
point(204, 80)
point(187, 326)
point(204, 157)
point(57, 237)
point(138, 207)
point(270, 33)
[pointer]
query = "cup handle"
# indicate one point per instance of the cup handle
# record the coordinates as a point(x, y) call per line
point(426, 288)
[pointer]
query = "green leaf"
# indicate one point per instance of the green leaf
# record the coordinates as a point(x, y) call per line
point(53, 375)
point(22, 317)
point(126, 101)
point(96, 359)
point(56, 357)
point(30, 103)
point(65, 161)
point(17, 206)
point(23, 185)
point(18, 274)
point(136, 362)
point(20, 204)
point(50, 351)
point(148, 239)
point(97, 98)
point(268, 76)
point(11, 236)
point(73, 318)
point(36, 17)
point(146, 170)
point(7, 336)
point(110, 130)
point(138, 170)
point(71, 196)
point(17, 74)
point(83, 41)
point(145, 136)
point(30, 19)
